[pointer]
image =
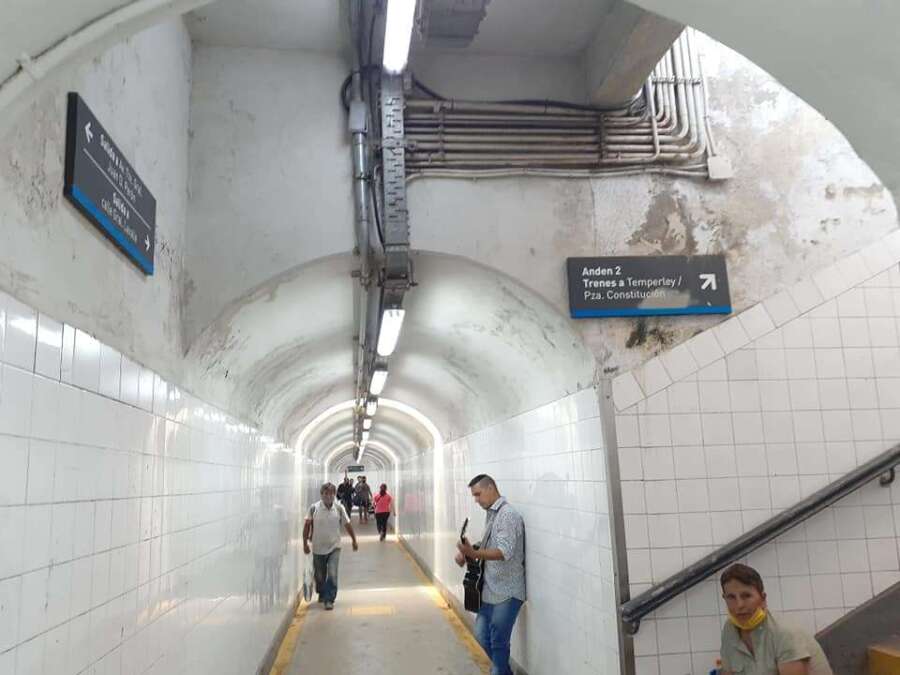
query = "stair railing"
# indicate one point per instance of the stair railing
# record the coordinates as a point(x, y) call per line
point(635, 609)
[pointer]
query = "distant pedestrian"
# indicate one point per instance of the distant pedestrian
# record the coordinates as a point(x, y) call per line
point(345, 495)
point(363, 499)
point(384, 507)
point(323, 527)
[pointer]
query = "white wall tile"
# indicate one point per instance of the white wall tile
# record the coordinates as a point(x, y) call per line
point(33, 604)
point(731, 335)
point(857, 588)
point(15, 401)
point(652, 376)
point(705, 348)
point(21, 333)
point(679, 362)
point(14, 474)
point(689, 461)
point(626, 391)
point(41, 469)
point(10, 595)
point(86, 362)
point(756, 321)
point(110, 372)
point(806, 295)
point(781, 308)
point(48, 354)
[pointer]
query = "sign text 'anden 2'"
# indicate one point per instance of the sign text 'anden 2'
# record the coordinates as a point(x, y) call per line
point(648, 286)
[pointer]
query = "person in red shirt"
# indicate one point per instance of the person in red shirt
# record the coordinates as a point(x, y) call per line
point(384, 506)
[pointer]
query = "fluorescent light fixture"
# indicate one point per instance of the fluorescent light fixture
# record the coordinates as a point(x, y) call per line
point(379, 377)
point(364, 438)
point(367, 424)
point(397, 34)
point(371, 407)
point(391, 323)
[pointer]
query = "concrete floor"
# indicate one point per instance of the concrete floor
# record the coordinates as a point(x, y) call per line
point(388, 619)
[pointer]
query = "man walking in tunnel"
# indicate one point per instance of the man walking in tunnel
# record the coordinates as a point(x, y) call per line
point(345, 494)
point(503, 551)
point(323, 526)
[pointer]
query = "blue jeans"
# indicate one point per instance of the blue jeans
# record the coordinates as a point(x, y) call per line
point(493, 628)
point(325, 568)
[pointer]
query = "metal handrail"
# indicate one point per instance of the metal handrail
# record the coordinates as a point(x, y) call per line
point(637, 608)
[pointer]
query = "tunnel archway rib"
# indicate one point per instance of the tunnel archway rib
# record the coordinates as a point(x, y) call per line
point(478, 346)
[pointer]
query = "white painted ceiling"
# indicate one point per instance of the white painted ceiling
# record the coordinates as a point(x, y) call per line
point(318, 25)
point(539, 27)
point(527, 27)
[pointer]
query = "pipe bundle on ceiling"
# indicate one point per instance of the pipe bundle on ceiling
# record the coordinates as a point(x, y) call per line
point(664, 130)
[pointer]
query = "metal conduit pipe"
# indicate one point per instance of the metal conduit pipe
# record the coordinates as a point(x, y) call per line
point(361, 202)
point(690, 172)
point(673, 128)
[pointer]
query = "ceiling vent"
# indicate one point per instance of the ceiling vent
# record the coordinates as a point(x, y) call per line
point(450, 23)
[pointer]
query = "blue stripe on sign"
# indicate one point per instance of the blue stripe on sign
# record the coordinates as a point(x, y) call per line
point(650, 311)
point(113, 231)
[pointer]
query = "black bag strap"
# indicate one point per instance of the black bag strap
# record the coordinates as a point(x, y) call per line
point(490, 528)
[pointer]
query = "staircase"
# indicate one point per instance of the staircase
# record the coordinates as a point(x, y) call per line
point(867, 640)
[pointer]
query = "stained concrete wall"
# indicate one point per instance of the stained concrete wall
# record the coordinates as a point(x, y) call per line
point(50, 256)
point(270, 171)
point(800, 199)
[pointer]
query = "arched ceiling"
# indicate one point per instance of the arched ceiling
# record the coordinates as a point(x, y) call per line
point(274, 24)
point(466, 356)
point(399, 432)
point(477, 346)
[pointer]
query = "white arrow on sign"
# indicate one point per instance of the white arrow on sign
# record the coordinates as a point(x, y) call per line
point(709, 281)
point(147, 243)
point(88, 132)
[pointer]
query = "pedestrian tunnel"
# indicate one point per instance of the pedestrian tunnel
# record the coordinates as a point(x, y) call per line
point(163, 435)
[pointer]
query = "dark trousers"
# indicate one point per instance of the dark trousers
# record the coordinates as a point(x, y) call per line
point(381, 519)
point(325, 568)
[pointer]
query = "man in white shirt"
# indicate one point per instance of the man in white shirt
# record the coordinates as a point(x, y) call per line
point(323, 526)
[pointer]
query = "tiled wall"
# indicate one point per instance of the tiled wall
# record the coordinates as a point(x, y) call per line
point(135, 521)
point(743, 421)
point(550, 464)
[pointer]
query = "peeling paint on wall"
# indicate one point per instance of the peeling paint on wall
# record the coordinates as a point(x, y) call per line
point(52, 257)
point(800, 199)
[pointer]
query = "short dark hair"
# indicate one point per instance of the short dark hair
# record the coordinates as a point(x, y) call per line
point(327, 487)
point(483, 479)
point(744, 574)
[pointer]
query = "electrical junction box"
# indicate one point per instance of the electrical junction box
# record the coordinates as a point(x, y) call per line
point(719, 168)
point(357, 121)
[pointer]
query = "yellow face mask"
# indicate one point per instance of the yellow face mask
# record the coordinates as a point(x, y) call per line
point(758, 617)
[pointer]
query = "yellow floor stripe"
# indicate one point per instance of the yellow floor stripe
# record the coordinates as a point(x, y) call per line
point(289, 643)
point(459, 628)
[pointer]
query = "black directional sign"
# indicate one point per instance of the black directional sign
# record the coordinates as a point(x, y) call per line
point(648, 286)
point(105, 188)
point(356, 468)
